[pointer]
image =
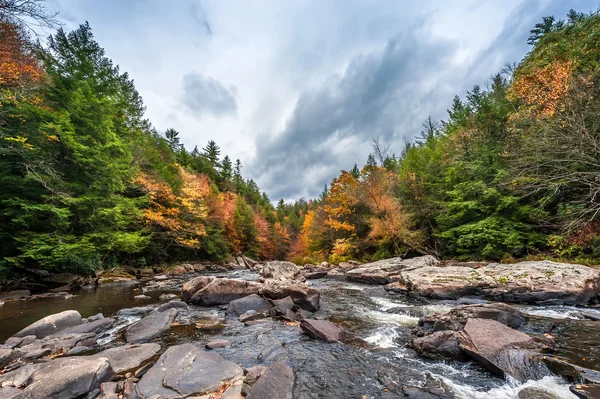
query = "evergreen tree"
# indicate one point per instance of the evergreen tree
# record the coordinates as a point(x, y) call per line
point(212, 152)
point(355, 172)
point(226, 169)
point(172, 137)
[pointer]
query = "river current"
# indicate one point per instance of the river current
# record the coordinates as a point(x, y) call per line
point(376, 365)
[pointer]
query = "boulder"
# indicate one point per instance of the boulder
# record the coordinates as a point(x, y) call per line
point(450, 282)
point(187, 370)
point(68, 378)
point(20, 376)
point(252, 315)
point(321, 329)
point(150, 326)
point(253, 374)
point(536, 393)
point(279, 270)
point(439, 345)
point(51, 324)
point(172, 305)
point(304, 297)
point(571, 372)
point(138, 311)
point(218, 343)
point(499, 348)
point(221, 291)
point(250, 302)
point(127, 357)
point(277, 382)
point(91, 327)
point(586, 391)
point(543, 282)
point(193, 286)
point(388, 270)
point(373, 292)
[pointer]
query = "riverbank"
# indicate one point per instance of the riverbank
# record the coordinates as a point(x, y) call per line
point(262, 319)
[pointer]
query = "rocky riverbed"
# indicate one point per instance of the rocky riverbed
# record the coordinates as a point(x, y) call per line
point(392, 329)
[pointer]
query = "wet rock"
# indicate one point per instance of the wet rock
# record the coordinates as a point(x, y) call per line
point(336, 275)
point(276, 383)
point(222, 291)
point(424, 393)
point(540, 281)
point(253, 374)
point(209, 323)
point(591, 316)
point(375, 292)
point(499, 348)
point(536, 393)
point(193, 286)
point(250, 302)
point(252, 315)
point(12, 295)
point(161, 277)
point(68, 378)
point(51, 324)
point(186, 370)
point(138, 311)
point(172, 305)
point(412, 311)
point(388, 270)
point(321, 329)
point(127, 357)
point(472, 301)
point(218, 343)
point(167, 297)
point(281, 306)
point(91, 327)
point(95, 317)
point(314, 273)
point(141, 297)
point(586, 391)
point(571, 372)
point(439, 345)
point(305, 297)
point(150, 326)
point(79, 350)
point(273, 352)
point(279, 270)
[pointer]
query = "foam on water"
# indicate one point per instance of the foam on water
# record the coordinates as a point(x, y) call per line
point(383, 338)
point(387, 303)
point(558, 312)
point(111, 334)
point(509, 390)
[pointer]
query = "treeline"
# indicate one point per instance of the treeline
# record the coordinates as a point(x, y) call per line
point(85, 180)
point(513, 172)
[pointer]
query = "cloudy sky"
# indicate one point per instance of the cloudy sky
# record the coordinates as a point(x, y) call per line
point(297, 89)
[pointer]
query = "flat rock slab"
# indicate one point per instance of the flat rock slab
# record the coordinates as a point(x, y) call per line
point(150, 326)
point(276, 383)
point(499, 348)
point(302, 295)
point(51, 324)
point(221, 291)
point(450, 282)
point(251, 302)
point(91, 327)
point(68, 378)
point(321, 329)
point(187, 370)
point(127, 357)
point(388, 270)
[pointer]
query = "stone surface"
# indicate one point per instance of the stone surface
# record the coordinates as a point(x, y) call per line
point(8, 392)
point(536, 393)
point(68, 378)
point(498, 348)
point(233, 392)
point(221, 291)
point(193, 286)
point(304, 297)
point(138, 311)
point(187, 370)
point(250, 302)
point(279, 270)
point(51, 324)
point(218, 343)
point(19, 377)
point(439, 345)
point(141, 297)
point(167, 297)
point(374, 292)
point(276, 383)
point(321, 329)
point(127, 357)
point(150, 326)
point(91, 327)
point(586, 391)
point(450, 282)
point(172, 305)
point(252, 315)
point(253, 374)
point(388, 270)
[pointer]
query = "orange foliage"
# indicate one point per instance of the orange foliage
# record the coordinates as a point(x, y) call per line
point(181, 216)
point(340, 201)
point(19, 67)
point(543, 89)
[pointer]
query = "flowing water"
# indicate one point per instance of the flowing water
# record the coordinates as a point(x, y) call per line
point(376, 366)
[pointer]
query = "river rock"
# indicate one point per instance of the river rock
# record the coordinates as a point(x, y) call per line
point(127, 357)
point(536, 393)
point(498, 348)
point(91, 327)
point(439, 345)
point(141, 297)
point(233, 392)
point(253, 374)
point(279, 270)
point(172, 305)
point(571, 372)
point(543, 282)
point(250, 302)
point(388, 270)
point(187, 370)
point(7, 355)
point(137, 311)
point(304, 297)
point(20, 376)
point(150, 326)
point(221, 291)
point(9, 392)
point(586, 391)
point(412, 311)
point(68, 378)
point(374, 292)
point(218, 343)
point(276, 383)
point(450, 282)
point(321, 329)
point(51, 324)
point(193, 286)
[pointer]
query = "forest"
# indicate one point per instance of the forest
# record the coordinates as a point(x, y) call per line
point(87, 182)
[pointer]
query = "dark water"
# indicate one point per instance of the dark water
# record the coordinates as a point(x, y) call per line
point(377, 366)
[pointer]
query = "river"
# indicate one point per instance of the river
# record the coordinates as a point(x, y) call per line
point(377, 366)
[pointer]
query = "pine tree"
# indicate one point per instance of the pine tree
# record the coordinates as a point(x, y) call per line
point(371, 162)
point(212, 152)
point(172, 137)
point(195, 152)
point(226, 169)
point(355, 172)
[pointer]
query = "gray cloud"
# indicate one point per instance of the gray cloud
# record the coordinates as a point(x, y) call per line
point(205, 95)
point(382, 93)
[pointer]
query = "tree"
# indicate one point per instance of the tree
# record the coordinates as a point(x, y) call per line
point(27, 13)
point(172, 137)
point(355, 172)
point(371, 160)
point(212, 152)
point(226, 168)
point(541, 29)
